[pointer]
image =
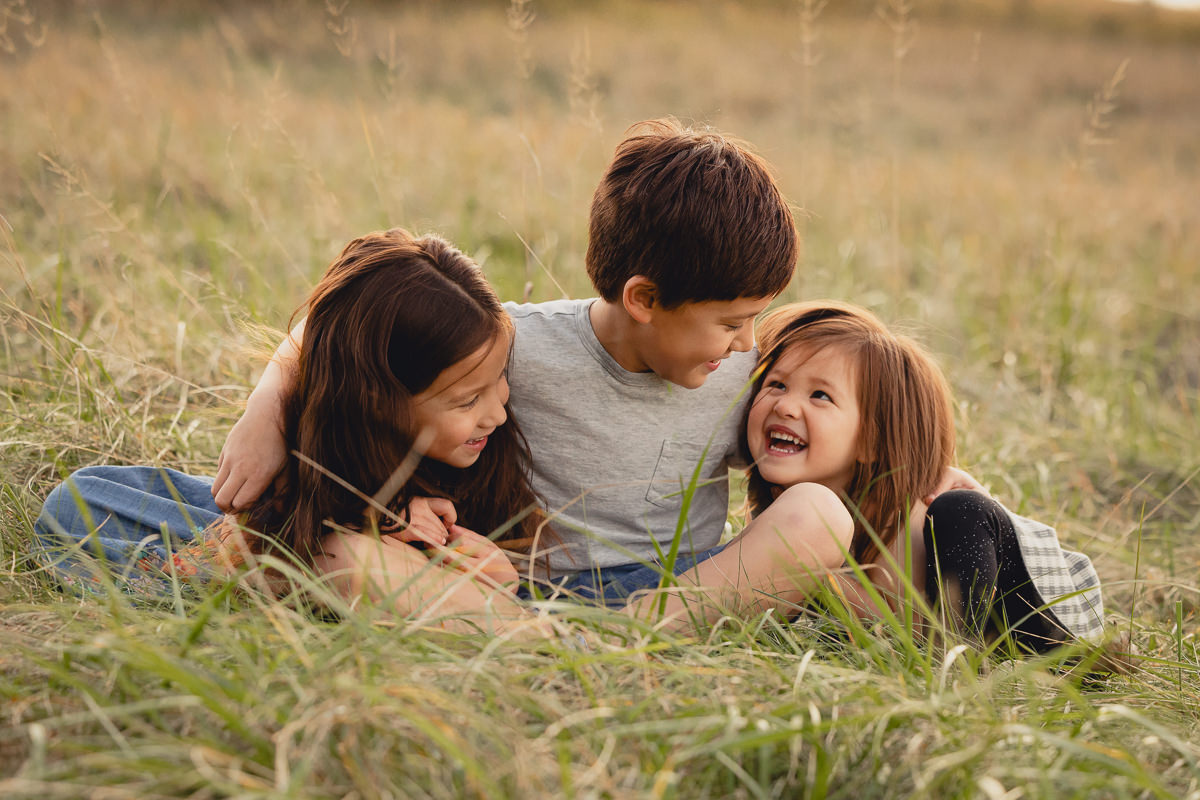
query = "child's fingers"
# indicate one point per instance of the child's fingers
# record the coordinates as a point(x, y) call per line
point(424, 529)
point(459, 532)
point(444, 509)
point(218, 486)
point(469, 551)
point(414, 533)
point(467, 540)
point(419, 529)
point(423, 514)
point(418, 523)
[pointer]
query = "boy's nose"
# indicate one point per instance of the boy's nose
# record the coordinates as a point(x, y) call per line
point(744, 339)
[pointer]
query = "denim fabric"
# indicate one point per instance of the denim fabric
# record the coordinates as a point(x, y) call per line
point(612, 586)
point(124, 516)
point(127, 517)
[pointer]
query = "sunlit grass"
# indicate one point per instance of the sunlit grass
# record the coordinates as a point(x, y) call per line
point(172, 180)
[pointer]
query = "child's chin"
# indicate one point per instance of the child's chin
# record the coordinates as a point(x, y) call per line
point(692, 380)
point(779, 477)
point(461, 460)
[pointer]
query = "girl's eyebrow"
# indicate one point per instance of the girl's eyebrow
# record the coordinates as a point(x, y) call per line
point(454, 398)
point(473, 383)
point(466, 388)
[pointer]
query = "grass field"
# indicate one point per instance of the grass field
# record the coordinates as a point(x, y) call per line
point(1017, 182)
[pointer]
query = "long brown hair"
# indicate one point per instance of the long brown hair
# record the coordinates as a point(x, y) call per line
point(390, 314)
point(906, 438)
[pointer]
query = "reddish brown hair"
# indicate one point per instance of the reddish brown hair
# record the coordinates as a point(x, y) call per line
point(906, 439)
point(390, 314)
point(695, 212)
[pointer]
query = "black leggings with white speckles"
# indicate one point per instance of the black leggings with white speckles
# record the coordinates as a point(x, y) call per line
point(973, 555)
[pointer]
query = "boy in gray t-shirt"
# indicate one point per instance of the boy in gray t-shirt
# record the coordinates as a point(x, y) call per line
point(632, 402)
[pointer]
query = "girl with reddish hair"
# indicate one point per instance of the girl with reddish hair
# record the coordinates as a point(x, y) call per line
point(842, 402)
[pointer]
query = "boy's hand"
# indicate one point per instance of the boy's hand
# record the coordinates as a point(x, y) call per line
point(253, 454)
point(429, 520)
point(955, 478)
point(255, 451)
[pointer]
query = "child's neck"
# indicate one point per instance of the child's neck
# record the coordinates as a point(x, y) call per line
point(617, 333)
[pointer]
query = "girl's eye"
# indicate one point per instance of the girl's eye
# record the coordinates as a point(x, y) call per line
point(821, 395)
point(470, 403)
point(776, 385)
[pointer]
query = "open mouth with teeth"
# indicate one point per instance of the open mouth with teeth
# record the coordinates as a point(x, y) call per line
point(477, 443)
point(783, 443)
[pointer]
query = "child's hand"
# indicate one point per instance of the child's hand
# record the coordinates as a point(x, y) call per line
point(255, 451)
point(253, 454)
point(955, 478)
point(428, 520)
point(470, 552)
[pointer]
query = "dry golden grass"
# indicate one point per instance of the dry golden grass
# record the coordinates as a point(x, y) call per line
point(1016, 181)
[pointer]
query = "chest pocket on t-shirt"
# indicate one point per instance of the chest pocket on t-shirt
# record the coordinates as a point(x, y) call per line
point(676, 463)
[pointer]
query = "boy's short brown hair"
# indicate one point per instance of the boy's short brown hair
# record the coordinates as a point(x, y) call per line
point(695, 212)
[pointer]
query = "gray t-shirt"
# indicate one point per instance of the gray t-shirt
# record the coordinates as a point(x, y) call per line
point(613, 450)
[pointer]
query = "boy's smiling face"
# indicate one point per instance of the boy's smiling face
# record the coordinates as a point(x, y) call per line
point(685, 345)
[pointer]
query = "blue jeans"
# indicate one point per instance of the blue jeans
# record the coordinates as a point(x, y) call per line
point(131, 517)
point(125, 516)
point(612, 586)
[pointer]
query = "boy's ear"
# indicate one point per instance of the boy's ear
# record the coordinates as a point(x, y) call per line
point(639, 297)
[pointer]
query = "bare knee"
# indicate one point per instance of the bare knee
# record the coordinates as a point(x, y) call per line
point(788, 547)
point(810, 512)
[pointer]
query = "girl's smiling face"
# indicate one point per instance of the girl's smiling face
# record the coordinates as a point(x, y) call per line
point(464, 405)
point(803, 426)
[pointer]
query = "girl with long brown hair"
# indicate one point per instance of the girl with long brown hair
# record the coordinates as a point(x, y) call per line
point(401, 394)
point(397, 427)
point(843, 402)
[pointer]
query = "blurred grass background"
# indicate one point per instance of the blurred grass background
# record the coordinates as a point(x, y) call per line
point(1015, 181)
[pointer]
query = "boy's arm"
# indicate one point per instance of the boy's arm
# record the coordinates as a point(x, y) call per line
point(255, 450)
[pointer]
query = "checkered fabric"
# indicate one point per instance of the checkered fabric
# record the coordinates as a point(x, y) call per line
point(1066, 580)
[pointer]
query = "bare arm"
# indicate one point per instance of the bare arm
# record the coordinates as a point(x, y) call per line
point(465, 592)
point(255, 450)
point(895, 579)
point(776, 562)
